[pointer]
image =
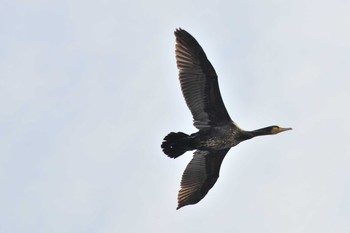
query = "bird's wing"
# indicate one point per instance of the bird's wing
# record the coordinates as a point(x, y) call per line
point(199, 83)
point(200, 176)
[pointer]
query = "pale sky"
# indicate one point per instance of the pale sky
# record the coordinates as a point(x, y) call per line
point(88, 90)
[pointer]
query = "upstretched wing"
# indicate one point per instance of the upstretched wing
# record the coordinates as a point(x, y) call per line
point(200, 176)
point(199, 83)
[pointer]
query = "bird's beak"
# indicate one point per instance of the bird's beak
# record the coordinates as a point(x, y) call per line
point(283, 129)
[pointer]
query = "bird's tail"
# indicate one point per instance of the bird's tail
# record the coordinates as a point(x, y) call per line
point(175, 144)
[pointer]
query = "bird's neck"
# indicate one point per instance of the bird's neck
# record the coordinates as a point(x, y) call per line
point(254, 133)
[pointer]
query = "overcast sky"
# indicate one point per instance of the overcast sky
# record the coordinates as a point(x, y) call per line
point(88, 89)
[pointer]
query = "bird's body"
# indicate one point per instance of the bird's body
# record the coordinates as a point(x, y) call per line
point(217, 133)
point(217, 138)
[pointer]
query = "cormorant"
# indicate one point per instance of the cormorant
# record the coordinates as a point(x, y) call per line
point(217, 133)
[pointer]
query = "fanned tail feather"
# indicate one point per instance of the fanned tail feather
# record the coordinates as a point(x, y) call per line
point(175, 144)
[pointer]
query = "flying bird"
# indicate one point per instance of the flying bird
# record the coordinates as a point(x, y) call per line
point(216, 134)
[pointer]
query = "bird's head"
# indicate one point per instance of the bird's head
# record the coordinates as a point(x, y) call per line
point(276, 129)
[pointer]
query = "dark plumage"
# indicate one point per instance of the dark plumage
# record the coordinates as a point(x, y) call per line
point(217, 132)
